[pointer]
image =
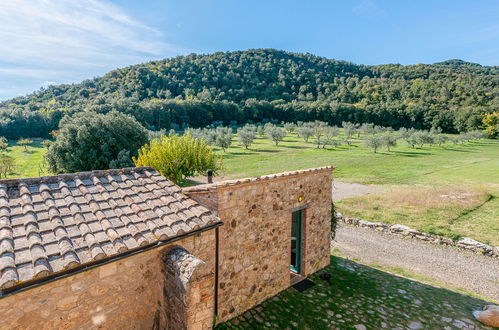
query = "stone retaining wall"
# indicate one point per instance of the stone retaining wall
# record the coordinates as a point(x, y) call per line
point(463, 243)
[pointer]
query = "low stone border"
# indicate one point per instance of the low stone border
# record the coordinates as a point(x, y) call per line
point(464, 243)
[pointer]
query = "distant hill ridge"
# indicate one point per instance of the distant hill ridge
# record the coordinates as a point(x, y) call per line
point(267, 83)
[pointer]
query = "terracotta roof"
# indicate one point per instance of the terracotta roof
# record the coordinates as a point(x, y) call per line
point(226, 183)
point(52, 224)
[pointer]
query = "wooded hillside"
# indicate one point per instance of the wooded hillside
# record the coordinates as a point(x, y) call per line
point(196, 90)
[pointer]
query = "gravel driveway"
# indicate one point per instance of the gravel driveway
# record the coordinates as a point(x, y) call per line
point(444, 264)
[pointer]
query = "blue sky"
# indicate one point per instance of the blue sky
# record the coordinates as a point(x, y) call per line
point(45, 42)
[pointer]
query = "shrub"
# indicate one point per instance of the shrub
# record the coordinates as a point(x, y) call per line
point(490, 123)
point(178, 157)
point(90, 141)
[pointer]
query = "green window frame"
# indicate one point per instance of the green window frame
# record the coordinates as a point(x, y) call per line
point(296, 241)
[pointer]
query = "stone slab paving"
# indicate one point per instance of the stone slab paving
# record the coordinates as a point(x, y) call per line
point(361, 297)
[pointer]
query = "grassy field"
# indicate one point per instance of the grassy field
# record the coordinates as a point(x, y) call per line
point(28, 163)
point(452, 190)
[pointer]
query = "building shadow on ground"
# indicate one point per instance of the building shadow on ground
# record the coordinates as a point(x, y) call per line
point(358, 296)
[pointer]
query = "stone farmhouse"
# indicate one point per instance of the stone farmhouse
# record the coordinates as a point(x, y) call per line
point(128, 249)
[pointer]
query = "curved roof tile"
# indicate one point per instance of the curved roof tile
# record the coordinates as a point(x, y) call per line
point(55, 223)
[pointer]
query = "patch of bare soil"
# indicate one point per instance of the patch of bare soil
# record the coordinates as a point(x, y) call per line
point(342, 190)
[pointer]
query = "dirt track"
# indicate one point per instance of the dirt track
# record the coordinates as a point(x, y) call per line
point(446, 265)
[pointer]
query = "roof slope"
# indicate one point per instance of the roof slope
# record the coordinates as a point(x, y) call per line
point(52, 224)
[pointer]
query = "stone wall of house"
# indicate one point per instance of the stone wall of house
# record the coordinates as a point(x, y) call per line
point(255, 240)
point(188, 291)
point(127, 294)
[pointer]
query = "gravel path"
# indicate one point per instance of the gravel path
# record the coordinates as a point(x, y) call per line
point(444, 264)
point(343, 190)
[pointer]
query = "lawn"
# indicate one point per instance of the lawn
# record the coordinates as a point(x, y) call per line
point(360, 297)
point(451, 190)
point(28, 163)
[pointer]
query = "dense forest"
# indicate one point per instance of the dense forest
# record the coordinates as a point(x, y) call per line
point(254, 85)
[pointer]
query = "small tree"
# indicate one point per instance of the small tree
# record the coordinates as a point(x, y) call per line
point(374, 142)
point(319, 127)
point(3, 144)
point(440, 139)
point(305, 133)
point(7, 165)
point(389, 141)
point(349, 130)
point(276, 134)
point(334, 143)
point(268, 127)
point(329, 133)
point(423, 137)
point(490, 123)
point(223, 137)
point(246, 136)
point(25, 143)
point(289, 127)
point(178, 157)
point(260, 130)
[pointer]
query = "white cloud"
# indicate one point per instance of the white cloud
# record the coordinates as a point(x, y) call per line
point(67, 41)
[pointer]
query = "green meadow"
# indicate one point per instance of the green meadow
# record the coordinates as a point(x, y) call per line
point(29, 161)
point(451, 190)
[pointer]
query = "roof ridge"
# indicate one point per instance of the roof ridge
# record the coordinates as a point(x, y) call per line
point(71, 176)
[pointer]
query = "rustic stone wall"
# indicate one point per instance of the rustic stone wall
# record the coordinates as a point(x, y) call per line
point(188, 291)
point(255, 239)
point(126, 294)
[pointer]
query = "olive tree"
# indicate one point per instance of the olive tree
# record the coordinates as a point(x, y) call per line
point(91, 141)
point(348, 130)
point(374, 142)
point(289, 127)
point(246, 136)
point(223, 137)
point(7, 165)
point(305, 132)
point(3, 144)
point(318, 128)
point(25, 143)
point(276, 134)
point(389, 141)
point(329, 133)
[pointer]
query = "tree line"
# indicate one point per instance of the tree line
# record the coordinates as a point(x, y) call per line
point(253, 85)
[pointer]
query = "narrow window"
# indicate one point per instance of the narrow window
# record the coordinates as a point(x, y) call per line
point(296, 241)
